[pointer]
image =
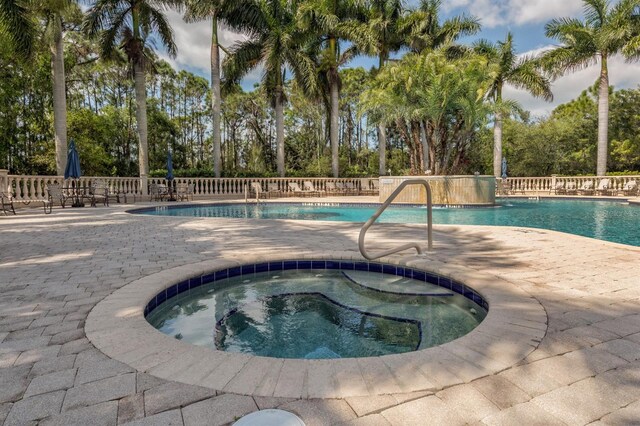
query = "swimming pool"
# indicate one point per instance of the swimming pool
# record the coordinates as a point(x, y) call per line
point(604, 220)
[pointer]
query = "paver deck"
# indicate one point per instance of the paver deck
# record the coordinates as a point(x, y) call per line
point(55, 269)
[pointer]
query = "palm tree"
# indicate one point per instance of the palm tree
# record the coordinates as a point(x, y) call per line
point(55, 12)
point(17, 23)
point(424, 31)
point(520, 72)
point(332, 21)
point(276, 43)
point(127, 24)
point(383, 23)
point(584, 43)
point(207, 9)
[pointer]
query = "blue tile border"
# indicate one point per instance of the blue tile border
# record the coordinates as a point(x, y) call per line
point(250, 269)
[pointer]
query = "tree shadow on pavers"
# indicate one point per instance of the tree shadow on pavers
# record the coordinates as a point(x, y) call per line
point(591, 333)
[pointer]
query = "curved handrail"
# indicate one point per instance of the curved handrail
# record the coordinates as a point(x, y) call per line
point(383, 207)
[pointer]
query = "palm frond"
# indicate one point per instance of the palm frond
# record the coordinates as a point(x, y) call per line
point(18, 25)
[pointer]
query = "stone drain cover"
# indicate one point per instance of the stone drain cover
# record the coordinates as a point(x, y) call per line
point(270, 417)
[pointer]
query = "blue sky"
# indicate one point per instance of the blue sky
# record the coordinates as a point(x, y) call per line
point(524, 18)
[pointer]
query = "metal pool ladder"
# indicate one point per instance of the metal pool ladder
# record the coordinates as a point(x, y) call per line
point(383, 207)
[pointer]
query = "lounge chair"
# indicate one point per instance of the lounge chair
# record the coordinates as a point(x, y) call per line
point(586, 188)
point(571, 188)
point(297, 191)
point(375, 185)
point(365, 187)
point(630, 188)
point(560, 188)
point(56, 193)
point(309, 186)
point(274, 189)
point(184, 190)
point(342, 188)
point(351, 189)
point(332, 189)
point(257, 191)
point(604, 187)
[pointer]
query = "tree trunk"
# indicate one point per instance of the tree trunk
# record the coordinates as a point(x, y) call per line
point(497, 137)
point(333, 132)
point(279, 131)
point(215, 97)
point(382, 147)
point(59, 98)
point(425, 146)
point(603, 118)
point(141, 118)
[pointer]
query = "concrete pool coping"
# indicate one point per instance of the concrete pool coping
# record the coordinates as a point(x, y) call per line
point(513, 328)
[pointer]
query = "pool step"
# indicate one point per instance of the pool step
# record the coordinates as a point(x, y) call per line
point(394, 284)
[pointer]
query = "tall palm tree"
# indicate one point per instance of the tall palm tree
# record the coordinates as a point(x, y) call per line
point(424, 30)
point(211, 9)
point(276, 43)
point(17, 23)
point(587, 42)
point(55, 12)
point(383, 23)
point(332, 21)
point(127, 24)
point(520, 72)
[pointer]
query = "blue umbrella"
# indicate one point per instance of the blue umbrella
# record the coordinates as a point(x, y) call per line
point(170, 176)
point(73, 170)
point(169, 167)
point(73, 163)
point(504, 168)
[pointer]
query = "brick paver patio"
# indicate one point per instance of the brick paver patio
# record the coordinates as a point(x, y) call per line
point(54, 269)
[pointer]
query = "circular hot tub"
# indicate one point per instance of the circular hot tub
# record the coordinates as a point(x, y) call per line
point(317, 309)
point(388, 312)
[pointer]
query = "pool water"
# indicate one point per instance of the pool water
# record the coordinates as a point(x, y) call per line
point(317, 314)
point(605, 220)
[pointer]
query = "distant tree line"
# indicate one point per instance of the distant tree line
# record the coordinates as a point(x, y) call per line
point(432, 105)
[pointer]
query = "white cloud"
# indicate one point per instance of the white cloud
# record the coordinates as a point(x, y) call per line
point(494, 13)
point(622, 75)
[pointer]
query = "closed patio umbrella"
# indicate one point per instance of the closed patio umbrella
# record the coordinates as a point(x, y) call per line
point(170, 176)
point(72, 171)
point(504, 168)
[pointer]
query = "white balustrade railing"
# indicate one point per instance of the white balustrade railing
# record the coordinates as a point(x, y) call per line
point(31, 188)
point(541, 185)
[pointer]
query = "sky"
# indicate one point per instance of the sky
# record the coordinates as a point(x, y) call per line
point(524, 18)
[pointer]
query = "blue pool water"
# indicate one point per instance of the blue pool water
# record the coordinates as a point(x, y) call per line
point(317, 313)
point(605, 220)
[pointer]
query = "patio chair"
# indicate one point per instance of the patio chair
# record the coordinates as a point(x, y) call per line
point(630, 188)
point(98, 191)
point(274, 189)
point(297, 191)
point(586, 188)
point(55, 193)
point(571, 188)
point(184, 190)
point(309, 186)
point(6, 202)
point(157, 192)
point(604, 187)
point(257, 191)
